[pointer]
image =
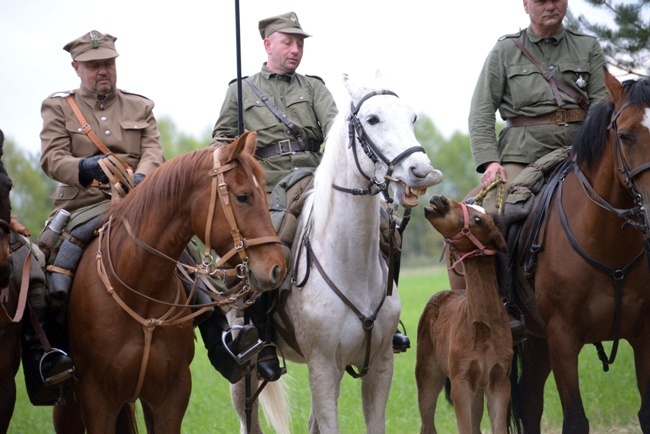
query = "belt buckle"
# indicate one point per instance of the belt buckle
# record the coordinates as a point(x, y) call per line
point(286, 142)
point(560, 117)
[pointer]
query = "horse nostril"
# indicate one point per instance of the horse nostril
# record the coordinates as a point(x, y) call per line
point(277, 274)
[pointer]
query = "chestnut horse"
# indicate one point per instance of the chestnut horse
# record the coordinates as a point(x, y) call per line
point(130, 327)
point(340, 313)
point(464, 341)
point(591, 281)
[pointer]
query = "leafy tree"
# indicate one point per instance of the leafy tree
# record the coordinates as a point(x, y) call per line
point(626, 46)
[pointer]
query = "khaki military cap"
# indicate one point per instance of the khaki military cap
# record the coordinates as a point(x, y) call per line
point(285, 23)
point(92, 46)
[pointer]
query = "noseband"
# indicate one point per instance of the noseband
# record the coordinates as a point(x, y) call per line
point(465, 232)
point(356, 131)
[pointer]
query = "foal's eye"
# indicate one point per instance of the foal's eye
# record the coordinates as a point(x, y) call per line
point(243, 198)
point(373, 120)
point(478, 220)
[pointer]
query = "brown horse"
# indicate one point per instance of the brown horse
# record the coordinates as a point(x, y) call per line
point(464, 340)
point(591, 281)
point(130, 330)
point(9, 322)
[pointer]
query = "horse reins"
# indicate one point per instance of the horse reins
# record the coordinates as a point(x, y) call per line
point(219, 188)
point(464, 232)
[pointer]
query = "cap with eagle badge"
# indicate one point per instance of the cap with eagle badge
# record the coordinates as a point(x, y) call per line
point(285, 23)
point(92, 46)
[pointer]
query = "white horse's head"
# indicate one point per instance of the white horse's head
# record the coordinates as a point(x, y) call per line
point(388, 149)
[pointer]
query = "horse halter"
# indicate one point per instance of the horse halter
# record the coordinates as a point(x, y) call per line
point(356, 130)
point(465, 232)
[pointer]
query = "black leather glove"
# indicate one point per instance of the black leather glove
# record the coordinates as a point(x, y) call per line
point(89, 169)
point(137, 178)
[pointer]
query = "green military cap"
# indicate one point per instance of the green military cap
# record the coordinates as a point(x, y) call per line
point(92, 46)
point(285, 23)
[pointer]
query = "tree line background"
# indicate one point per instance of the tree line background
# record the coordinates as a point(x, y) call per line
point(626, 47)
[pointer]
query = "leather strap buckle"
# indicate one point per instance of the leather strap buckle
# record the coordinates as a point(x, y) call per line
point(285, 148)
point(560, 117)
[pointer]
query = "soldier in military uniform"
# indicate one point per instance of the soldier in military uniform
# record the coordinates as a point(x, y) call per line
point(291, 128)
point(538, 118)
point(127, 128)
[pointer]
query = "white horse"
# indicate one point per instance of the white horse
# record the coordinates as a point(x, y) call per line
point(339, 312)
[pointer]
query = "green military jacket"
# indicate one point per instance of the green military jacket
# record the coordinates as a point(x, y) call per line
point(123, 121)
point(304, 99)
point(510, 83)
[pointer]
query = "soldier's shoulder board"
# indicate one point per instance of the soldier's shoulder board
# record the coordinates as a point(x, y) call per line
point(234, 80)
point(316, 77)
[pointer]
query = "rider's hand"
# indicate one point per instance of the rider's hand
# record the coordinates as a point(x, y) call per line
point(491, 171)
point(90, 169)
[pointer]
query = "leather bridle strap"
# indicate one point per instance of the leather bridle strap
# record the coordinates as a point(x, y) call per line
point(24, 285)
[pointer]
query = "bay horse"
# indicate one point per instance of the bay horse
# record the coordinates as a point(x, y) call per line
point(590, 255)
point(10, 323)
point(342, 310)
point(129, 323)
point(464, 342)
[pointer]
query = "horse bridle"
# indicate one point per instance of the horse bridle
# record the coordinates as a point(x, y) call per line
point(356, 131)
point(465, 232)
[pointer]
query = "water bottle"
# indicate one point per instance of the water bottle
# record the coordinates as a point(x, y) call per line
point(50, 236)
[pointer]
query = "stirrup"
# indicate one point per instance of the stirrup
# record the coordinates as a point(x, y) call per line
point(58, 377)
point(248, 353)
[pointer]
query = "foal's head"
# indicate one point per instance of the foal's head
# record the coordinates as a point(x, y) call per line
point(465, 227)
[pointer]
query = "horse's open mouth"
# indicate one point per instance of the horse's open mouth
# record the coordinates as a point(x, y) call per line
point(411, 196)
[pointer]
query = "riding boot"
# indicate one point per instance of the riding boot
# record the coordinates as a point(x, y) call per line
point(67, 260)
point(268, 364)
point(401, 341)
point(44, 371)
point(229, 356)
point(515, 318)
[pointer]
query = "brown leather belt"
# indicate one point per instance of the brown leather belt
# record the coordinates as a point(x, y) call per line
point(559, 117)
point(287, 147)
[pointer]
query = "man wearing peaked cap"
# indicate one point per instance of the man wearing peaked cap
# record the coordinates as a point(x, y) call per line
point(285, 23)
point(92, 46)
point(291, 114)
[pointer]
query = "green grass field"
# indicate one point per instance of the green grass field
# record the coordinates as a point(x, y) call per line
point(611, 399)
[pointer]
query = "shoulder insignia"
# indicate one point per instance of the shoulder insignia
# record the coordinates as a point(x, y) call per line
point(511, 35)
point(234, 80)
point(62, 94)
point(316, 77)
point(578, 33)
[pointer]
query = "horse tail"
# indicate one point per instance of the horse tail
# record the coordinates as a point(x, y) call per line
point(276, 406)
point(514, 409)
point(126, 420)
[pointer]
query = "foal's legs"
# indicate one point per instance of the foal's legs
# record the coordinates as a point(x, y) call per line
point(536, 367)
point(498, 398)
point(430, 380)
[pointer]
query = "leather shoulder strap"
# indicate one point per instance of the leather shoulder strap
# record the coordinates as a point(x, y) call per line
point(555, 84)
point(274, 110)
point(88, 130)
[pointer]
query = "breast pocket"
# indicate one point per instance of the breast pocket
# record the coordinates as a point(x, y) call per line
point(301, 110)
point(576, 75)
point(527, 86)
point(132, 135)
point(257, 115)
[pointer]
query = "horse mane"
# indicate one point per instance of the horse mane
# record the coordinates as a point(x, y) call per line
point(335, 143)
point(590, 141)
point(171, 183)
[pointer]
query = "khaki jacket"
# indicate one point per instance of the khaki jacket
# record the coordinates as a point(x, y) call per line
point(123, 121)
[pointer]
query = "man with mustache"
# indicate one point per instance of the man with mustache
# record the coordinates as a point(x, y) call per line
point(542, 114)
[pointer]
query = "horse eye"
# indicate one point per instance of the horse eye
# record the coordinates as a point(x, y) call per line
point(478, 220)
point(243, 198)
point(373, 120)
point(624, 138)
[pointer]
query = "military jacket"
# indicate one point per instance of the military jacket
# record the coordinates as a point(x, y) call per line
point(123, 121)
point(306, 102)
point(511, 83)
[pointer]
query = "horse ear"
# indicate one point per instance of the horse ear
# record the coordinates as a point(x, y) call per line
point(499, 242)
point(614, 86)
point(241, 144)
